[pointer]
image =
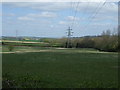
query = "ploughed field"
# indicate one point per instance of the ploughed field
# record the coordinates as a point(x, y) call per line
point(60, 68)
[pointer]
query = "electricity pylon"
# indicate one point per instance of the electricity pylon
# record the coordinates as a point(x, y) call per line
point(69, 34)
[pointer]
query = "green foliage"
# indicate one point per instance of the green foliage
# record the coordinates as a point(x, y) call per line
point(8, 81)
point(85, 43)
point(10, 47)
point(105, 42)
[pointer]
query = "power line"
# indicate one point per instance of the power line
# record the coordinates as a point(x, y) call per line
point(89, 17)
point(72, 7)
point(94, 15)
point(75, 14)
point(84, 12)
point(69, 33)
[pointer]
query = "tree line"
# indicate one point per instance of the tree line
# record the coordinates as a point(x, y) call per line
point(107, 41)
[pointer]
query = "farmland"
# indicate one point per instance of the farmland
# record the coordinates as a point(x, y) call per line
point(60, 44)
point(59, 68)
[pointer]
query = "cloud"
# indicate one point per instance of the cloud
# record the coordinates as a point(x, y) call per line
point(52, 6)
point(68, 20)
point(87, 9)
point(11, 14)
point(35, 16)
point(63, 14)
point(90, 8)
point(44, 6)
point(59, 0)
point(25, 18)
point(52, 26)
point(83, 8)
point(62, 22)
point(47, 14)
point(8, 14)
point(71, 18)
point(103, 18)
point(42, 14)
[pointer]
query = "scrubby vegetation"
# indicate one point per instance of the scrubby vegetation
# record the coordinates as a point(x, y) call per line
point(105, 42)
point(10, 47)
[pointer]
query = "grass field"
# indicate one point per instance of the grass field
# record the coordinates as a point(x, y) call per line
point(63, 68)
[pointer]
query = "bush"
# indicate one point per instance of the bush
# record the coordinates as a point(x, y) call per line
point(85, 43)
point(10, 47)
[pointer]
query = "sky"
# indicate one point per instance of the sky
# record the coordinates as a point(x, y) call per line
point(52, 19)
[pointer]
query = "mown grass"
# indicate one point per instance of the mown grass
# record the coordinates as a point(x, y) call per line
point(63, 69)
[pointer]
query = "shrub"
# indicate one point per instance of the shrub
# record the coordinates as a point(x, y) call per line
point(10, 47)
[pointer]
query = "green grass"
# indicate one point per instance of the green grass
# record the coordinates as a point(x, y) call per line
point(54, 49)
point(69, 68)
point(26, 44)
point(30, 43)
point(23, 48)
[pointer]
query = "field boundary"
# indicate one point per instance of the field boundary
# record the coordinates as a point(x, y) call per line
point(56, 50)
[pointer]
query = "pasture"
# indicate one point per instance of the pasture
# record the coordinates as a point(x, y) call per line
point(59, 68)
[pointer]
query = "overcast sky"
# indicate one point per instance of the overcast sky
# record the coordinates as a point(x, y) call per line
point(50, 19)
